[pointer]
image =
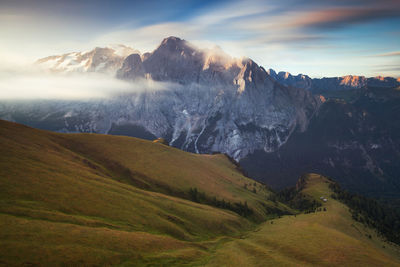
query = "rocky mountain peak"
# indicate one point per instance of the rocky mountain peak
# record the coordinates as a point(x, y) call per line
point(174, 45)
point(213, 103)
point(101, 59)
point(131, 68)
point(353, 81)
point(172, 41)
point(285, 78)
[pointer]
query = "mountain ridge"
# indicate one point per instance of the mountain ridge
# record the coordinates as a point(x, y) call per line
point(214, 103)
point(347, 82)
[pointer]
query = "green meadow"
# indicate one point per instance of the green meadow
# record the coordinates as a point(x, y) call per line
point(99, 200)
point(323, 238)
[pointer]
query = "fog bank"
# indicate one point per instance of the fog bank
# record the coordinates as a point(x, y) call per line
point(34, 85)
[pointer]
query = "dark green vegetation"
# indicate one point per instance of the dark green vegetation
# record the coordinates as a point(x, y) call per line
point(88, 199)
point(294, 197)
point(355, 138)
point(131, 130)
point(369, 211)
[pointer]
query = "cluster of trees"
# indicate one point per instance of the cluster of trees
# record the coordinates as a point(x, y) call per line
point(254, 190)
point(200, 197)
point(371, 212)
point(296, 200)
point(276, 211)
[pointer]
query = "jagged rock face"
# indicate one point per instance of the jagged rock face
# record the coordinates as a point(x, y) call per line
point(132, 67)
point(219, 104)
point(348, 82)
point(380, 81)
point(357, 143)
point(299, 81)
point(103, 60)
point(340, 83)
point(211, 103)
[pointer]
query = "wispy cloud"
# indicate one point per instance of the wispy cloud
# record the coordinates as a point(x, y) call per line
point(33, 85)
point(390, 54)
point(389, 67)
point(338, 17)
point(295, 35)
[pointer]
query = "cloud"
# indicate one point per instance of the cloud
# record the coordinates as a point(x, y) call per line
point(332, 18)
point(320, 16)
point(300, 33)
point(390, 54)
point(388, 68)
point(235, 11)
point(23, 85)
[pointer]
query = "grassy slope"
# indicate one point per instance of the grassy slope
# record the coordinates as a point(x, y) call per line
point(321, 238)
point(169, 170)
point(79, 199)
point(96, 200)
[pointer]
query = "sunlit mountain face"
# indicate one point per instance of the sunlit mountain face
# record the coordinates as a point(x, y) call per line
point(202, 115)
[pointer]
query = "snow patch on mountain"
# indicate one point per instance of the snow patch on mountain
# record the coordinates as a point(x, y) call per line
point(102, 60)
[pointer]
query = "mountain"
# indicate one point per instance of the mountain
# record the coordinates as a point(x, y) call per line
point(104, 60)
point(90, 199)
point(204, 102)
point(285, 78)
point(319, 85)
point(353, 138)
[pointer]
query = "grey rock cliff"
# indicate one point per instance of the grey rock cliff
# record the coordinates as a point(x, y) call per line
point(204, 101)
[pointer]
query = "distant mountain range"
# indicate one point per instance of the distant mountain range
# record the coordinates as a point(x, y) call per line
point(347, 82)
point(276, 125)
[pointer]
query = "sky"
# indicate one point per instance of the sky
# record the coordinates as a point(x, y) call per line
point(320, 38)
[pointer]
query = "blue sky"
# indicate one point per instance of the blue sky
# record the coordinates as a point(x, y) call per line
point(318, 38)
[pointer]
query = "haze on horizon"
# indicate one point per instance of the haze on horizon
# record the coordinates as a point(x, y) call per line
point(317, 38)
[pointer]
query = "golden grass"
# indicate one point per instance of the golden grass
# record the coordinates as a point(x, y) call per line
point(61, 187)
point(86, 199)
point(328, 238)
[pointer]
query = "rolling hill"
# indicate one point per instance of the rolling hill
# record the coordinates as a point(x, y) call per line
point(90, 199)
point(328, 237)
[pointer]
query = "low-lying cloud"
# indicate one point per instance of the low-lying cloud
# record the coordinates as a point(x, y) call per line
point(31, 85)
